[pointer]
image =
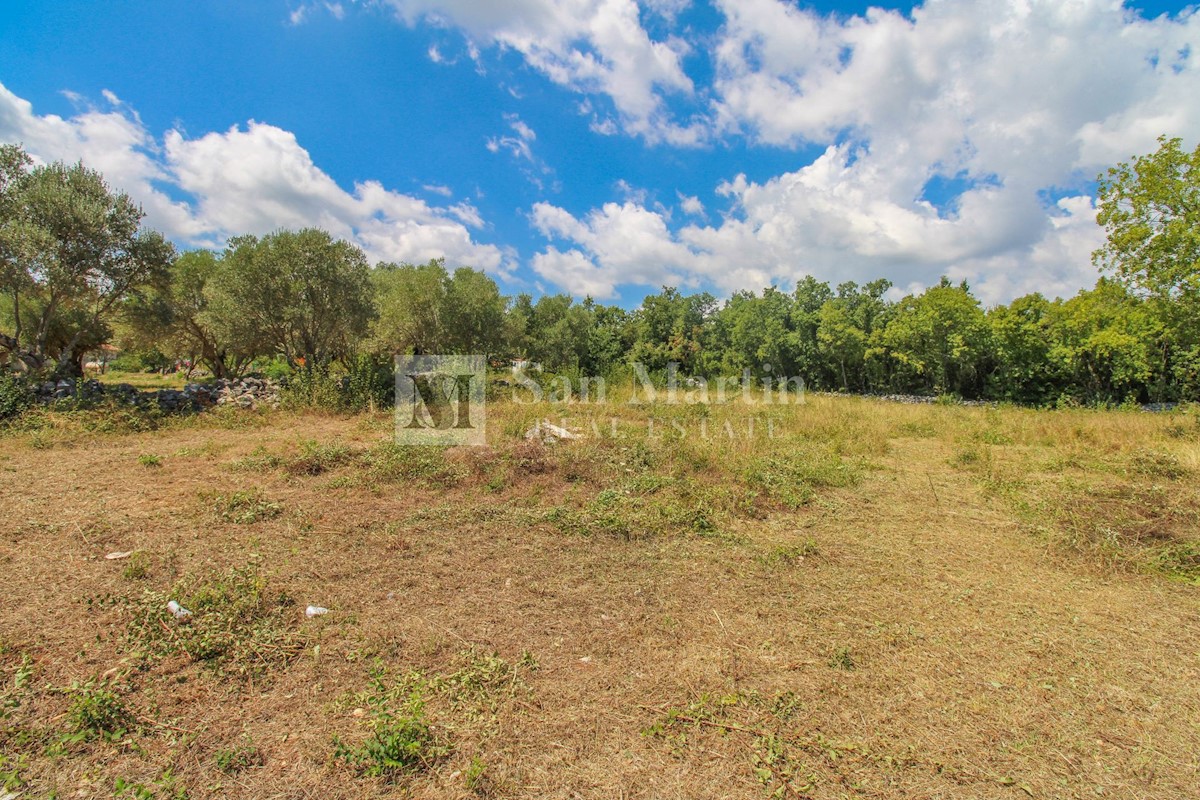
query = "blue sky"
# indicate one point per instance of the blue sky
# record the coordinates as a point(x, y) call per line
point(610, 146)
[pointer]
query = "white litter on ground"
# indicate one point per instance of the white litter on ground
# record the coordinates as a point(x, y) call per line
point(177, 610)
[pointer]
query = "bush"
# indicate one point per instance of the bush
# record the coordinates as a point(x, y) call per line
point(15, 396)
point(368, 383)
point(401, 740)
point(144, 361)
point(312, 387)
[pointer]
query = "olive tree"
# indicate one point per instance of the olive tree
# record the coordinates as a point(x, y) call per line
point(71, 251)
point(301, 295)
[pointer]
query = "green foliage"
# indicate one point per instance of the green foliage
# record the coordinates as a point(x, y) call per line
point(425, 309)
point(137, 568)
point(11, 767)
point(177, 318)
point(369, 384)
point(936, 342)
point(15, 396)
point(332, 325)
point(97, 712)
point(316, 458)
point(239, 626)
point(392, 462)
point(71, 251)
point(165, 787)
point(300, 295)
point(1150, 209)
point(245, 506)
point(841, 659)
point(400, 740)
point(312, 387)
point(237, 759)
point(16, 692)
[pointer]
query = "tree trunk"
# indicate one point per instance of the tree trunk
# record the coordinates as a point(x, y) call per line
point(69, 365)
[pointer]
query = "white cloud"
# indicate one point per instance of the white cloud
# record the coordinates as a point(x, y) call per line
point(824, 220)
point(604, 127)
point(302, 13)
point(574, 272)
point(520, 146)
point(468, 213)
point(252, 180)
point(627, 242)
point(109, 140)
point(1013, 98)
point(691, 205)
point(588, 46)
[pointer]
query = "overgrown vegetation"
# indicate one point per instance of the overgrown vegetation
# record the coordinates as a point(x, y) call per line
point(236, 624)
point(401, 740)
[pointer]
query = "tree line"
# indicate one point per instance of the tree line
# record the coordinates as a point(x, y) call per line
point(77, 269)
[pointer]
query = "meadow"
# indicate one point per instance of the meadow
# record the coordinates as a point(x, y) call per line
point(840, 599)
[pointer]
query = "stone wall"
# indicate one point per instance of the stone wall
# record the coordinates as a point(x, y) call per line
point(244, 392)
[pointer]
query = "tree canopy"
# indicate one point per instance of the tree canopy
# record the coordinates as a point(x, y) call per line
point(72, 250)
point(77, 269)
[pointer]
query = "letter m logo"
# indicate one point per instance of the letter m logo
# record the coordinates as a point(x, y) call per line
point(440, 400)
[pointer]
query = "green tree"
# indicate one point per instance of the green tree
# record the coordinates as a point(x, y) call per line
point(1150, 210)
point(411, 303)
point(845, 323)
point(939, 340)
point(557, 333)
point(1103, 339)
point(809, 296)
point(175, 319)
point(757, 333)
point(1023, 333)
point(841, 340)
point(72, 251)
point(475, 313)
point(424, 309)
point(672, 327)
point(301, 295)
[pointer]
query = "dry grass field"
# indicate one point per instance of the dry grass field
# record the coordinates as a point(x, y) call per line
point(854, 600)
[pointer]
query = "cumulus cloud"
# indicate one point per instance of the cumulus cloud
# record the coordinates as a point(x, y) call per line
point(691, 205)
point(825, 220)
point(575, 272)
point(629, 243)
point(255, 179)
point(1010, 101)
point(108, 139)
